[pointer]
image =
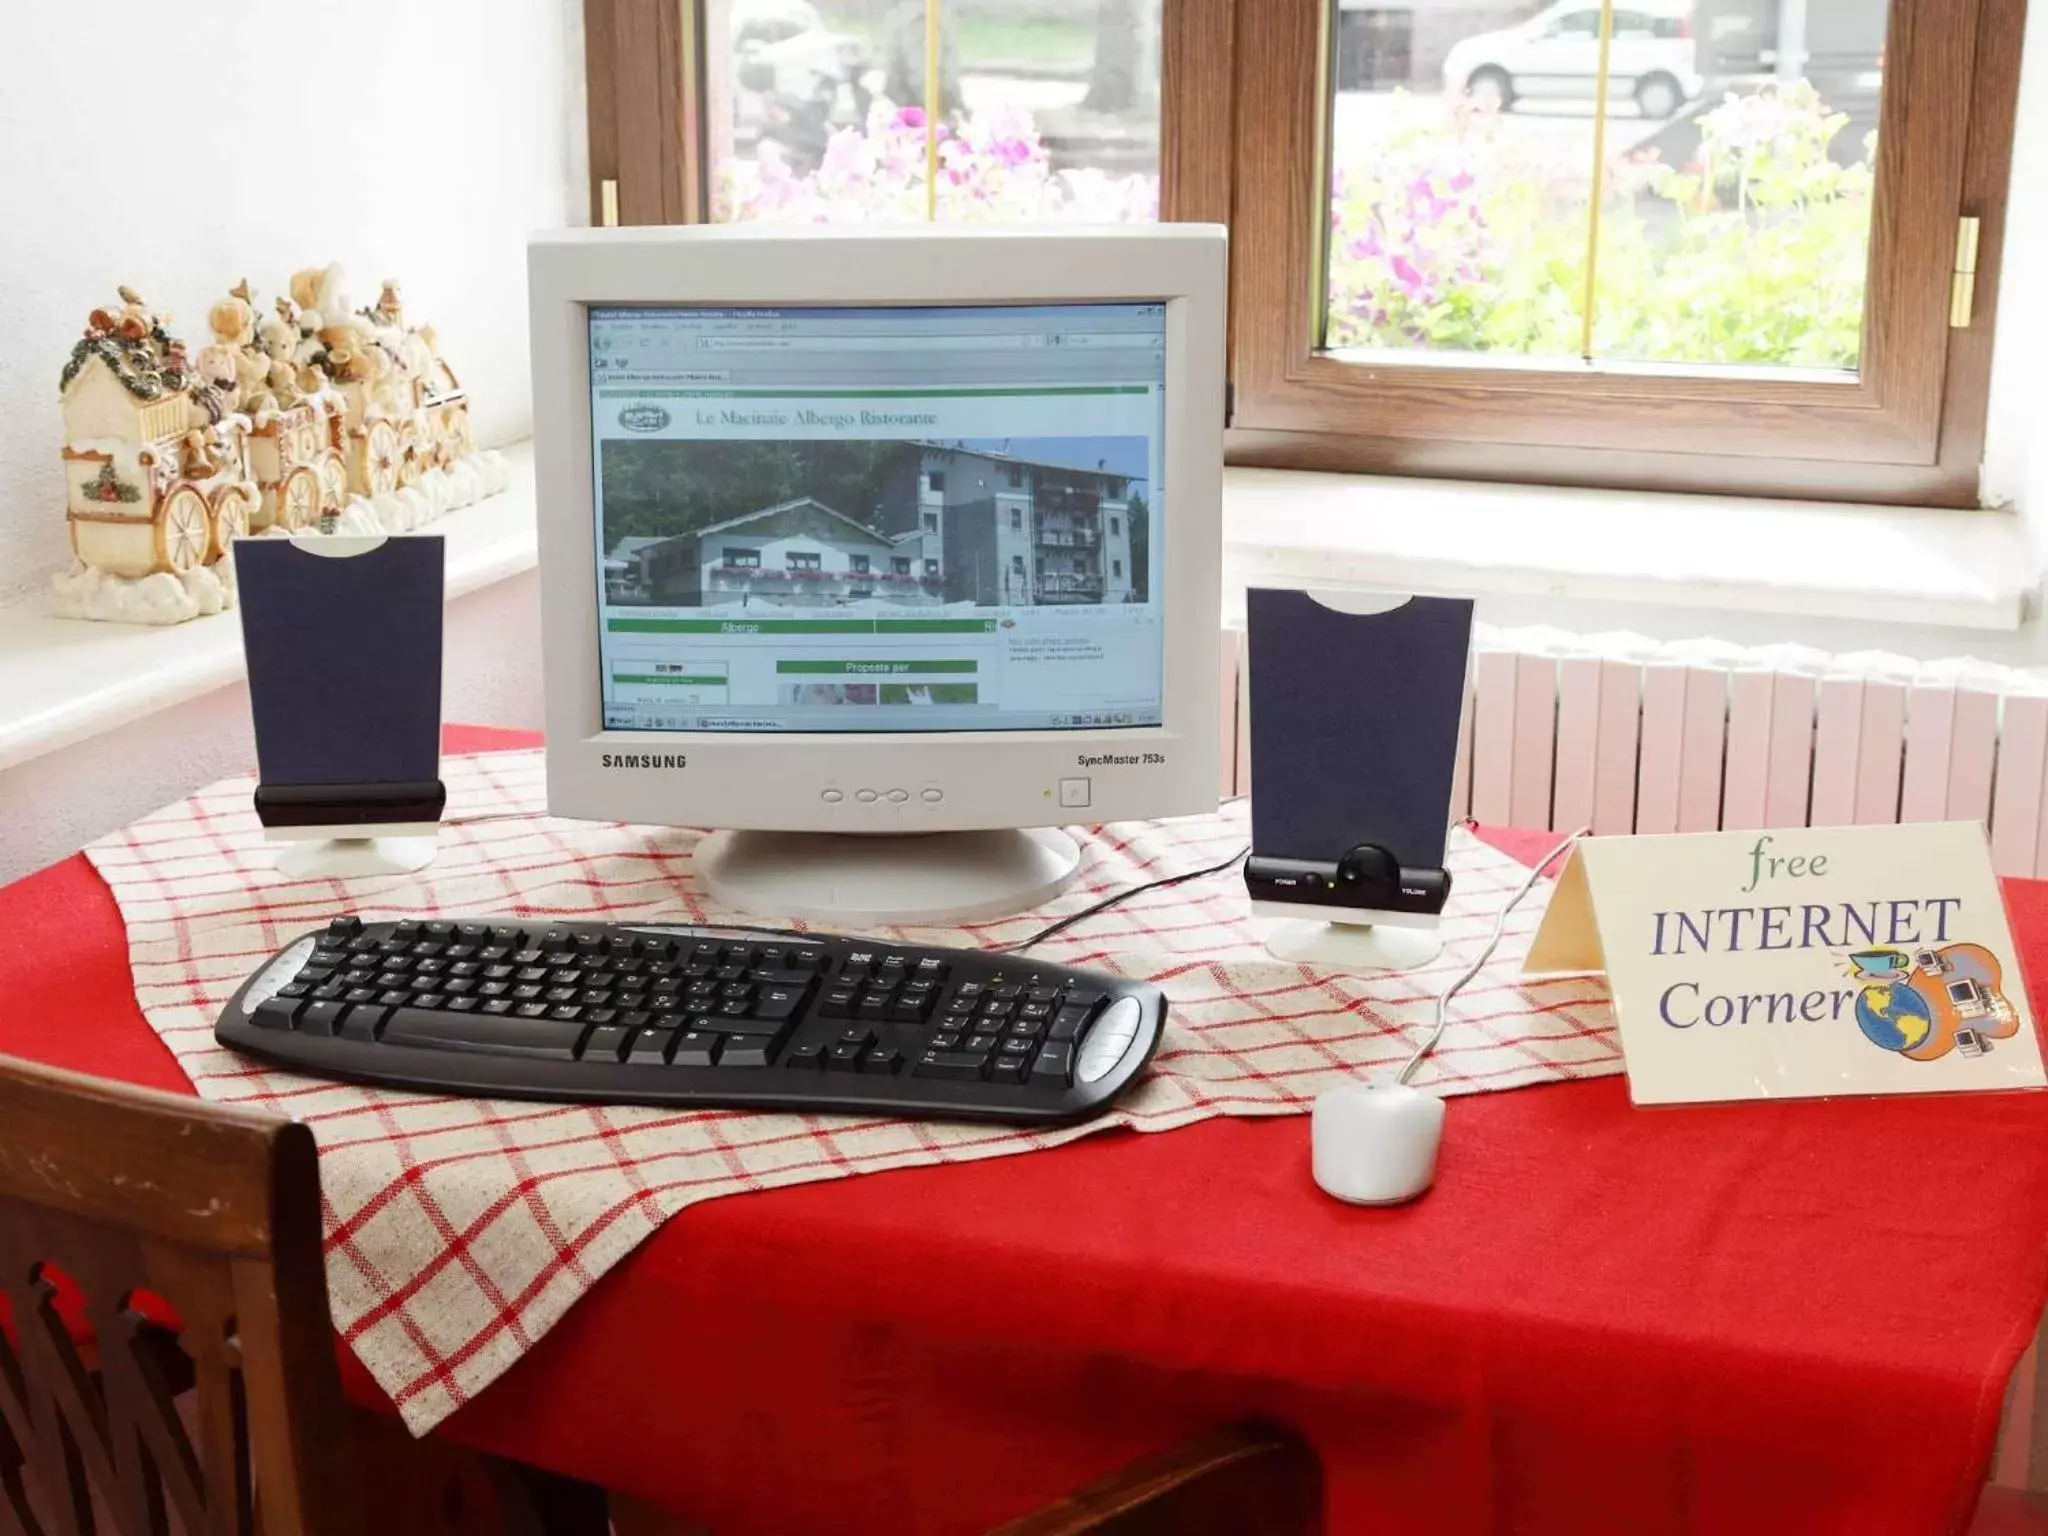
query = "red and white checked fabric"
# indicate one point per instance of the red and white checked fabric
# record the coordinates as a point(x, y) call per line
point(460, 1230)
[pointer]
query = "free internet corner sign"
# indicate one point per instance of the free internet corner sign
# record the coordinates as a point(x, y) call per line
point(1798, 964)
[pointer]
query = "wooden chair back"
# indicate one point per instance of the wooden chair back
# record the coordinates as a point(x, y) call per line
point(192, 1232)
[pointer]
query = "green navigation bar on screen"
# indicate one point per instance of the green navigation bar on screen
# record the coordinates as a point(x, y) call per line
point(890, 668)
point(621, 626)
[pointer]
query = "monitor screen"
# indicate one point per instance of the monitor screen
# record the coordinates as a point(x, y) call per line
point(845, 519)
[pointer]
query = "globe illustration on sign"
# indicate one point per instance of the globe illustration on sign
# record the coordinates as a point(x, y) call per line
point(1894, 1017)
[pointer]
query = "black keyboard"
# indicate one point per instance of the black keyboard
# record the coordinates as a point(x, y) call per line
point(650, 1014)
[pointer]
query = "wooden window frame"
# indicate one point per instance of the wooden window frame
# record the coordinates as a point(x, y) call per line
point(1244, 114)
point(1910, 429)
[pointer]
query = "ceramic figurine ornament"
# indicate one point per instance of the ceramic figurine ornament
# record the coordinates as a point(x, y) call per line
point(316, 416)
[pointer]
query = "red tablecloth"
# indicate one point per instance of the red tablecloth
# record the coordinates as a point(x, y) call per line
point(1758, 1318)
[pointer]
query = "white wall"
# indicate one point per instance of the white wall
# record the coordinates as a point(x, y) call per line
point(179, 147)
point(2015, 462)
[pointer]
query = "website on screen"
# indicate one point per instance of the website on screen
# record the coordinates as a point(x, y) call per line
point(832, 519)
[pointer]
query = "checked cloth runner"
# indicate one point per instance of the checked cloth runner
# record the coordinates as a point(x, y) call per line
point(460, 1230)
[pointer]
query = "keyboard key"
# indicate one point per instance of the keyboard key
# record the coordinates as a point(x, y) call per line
point(599, 1015)
point(472, 933)
point(605, 1043)
point(406, 930)
point(561, 994)
point(363, 1021)
point(807, 959)
point(439, 930)
point(496, 1005)
point(460, 953)
point(883, 1060)
point(911, 1010)
point(531, 1010)
point(397, 997)
point(568, 1013)
point(651, 1047)
point(804, 1053)
point(699, 1048)
point(428, 1000)
point(1053, 1064)
point(1018, 1046)
point(931, 968)
point(344, 927)
point(534, 973)
point(957, 1066)
point(469, 968)
point(634, 1018)
point(1007, 1069)
point(463, 1004)
point(777, 1003)
point(323, 1018)
point(495, 989)
point(458, 986)
point(981, 1042)
point(549, 1039)
point(294, 989)
point(747, 1051)
point(1069, 1022)
point(328, 991)
point(873, 1008)
point(508, 935)
point(276, 1012)
point(845, 1056)
point(499, 972)
point(946, 1040)
point(837, 1003)
point(1037, 1013)
point(529, 992)
point(359, 995)
point(1042, 995)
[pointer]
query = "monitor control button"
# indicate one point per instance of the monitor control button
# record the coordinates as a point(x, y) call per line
point(898, 796)
point(931, 796)
point(833, 796)
point(865, 796)
point(1074, 794)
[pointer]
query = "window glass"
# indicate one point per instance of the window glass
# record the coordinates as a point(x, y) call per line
point(1044, 109)
point(1735, 179)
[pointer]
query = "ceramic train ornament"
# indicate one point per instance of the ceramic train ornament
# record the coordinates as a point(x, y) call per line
point(311, 415)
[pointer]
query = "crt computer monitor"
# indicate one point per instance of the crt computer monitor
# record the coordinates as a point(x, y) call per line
point(887, 553)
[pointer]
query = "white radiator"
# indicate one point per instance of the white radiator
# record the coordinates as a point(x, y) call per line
point(1627, 734)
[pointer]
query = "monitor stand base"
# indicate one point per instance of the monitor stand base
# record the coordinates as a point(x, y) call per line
point(1354, 947)
point(354, 858)
point(857, 882)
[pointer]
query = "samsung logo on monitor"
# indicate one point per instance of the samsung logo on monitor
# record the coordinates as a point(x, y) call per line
point(645, 760)
point(643, 418)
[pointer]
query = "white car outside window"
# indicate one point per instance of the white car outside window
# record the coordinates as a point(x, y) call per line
point(1555, 55)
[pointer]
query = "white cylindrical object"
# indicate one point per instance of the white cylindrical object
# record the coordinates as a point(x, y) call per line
point(1376, 1146)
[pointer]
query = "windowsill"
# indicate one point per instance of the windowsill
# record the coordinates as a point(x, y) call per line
point(65, 680)
point(1962, 570)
